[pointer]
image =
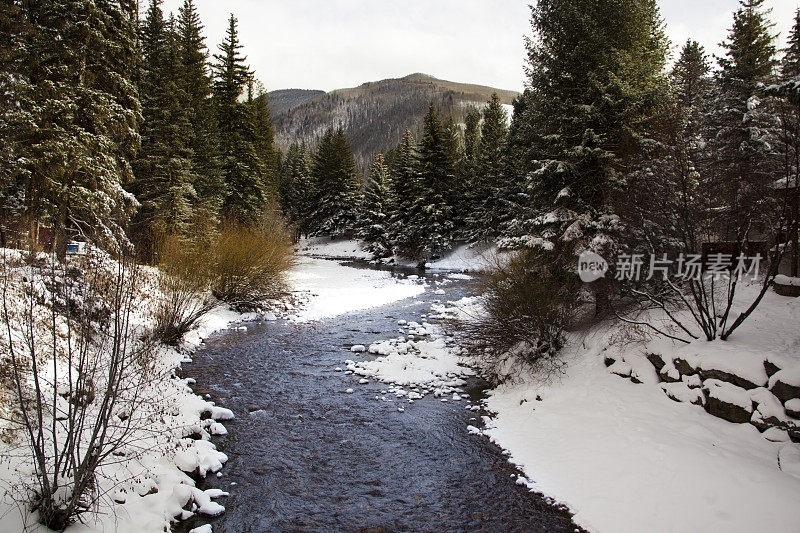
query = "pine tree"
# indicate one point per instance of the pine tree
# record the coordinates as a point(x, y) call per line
point(202, 140)
point(404, 188)
point(164, 179)
point(296, 187)
point(516, 206)
point(744, 146)
point(336, 186)
point(80, 56)
point(242, 169)
point(789, 114)
point(264, 138)
point(595, 73)
point(487, 185)
point(430, 223)
point(375, 209)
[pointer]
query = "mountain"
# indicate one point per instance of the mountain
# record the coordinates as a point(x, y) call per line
point(374, 115)
point(287, 99)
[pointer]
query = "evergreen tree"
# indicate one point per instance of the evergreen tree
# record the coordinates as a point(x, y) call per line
point(163, 172)
point(404, 188)
point(595, 73)
point(296, 187)
point(516, 208)
point(375, 209)
point(487, 185)
point(336, 186)
point(202, 137)
point(84, 113)
point(430, 223)
point(264, 139)
point(744, 146)
point(242, 169)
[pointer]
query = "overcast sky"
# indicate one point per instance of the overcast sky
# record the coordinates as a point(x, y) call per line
point(332, 44)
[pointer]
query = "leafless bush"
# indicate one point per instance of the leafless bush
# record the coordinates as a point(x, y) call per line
point(526, 310)
point(249, 262)
point(184, 280)
point(77, 383)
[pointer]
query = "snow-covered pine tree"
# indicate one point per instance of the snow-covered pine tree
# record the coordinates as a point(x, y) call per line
point(264, 138)
point(375, 209)
point(79, 58)
point(202, 139)
point(336, 186)
point(403, 189)
point(488, 183)
point(242, 169)
point(296, 187)
point(515, 197)
point(429, 230)
point(595, 72)
point(789, 89)
point(746, 160)
point(163, 177)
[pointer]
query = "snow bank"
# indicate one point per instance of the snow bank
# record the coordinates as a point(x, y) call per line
point(625, 457)
point(334, 289)
point(466, 258)
point(324, 247)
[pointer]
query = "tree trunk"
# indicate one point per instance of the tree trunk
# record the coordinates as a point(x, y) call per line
point(60, 231)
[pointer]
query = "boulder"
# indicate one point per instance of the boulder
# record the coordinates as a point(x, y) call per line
point(785, 384)
point(657, 360)
point(727, 401)
point(770, 367)
point(669, 374)
point(739, 381)
point(680, 392)
point(792, 408)
point(684, 367)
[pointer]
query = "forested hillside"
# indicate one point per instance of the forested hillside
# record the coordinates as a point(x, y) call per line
point(374, 115)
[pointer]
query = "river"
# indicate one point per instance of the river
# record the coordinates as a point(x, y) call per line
point(306, 456)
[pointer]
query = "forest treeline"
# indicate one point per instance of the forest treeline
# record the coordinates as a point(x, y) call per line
point(122, 127)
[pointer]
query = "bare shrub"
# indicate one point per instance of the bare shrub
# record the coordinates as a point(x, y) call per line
point(77, 383)
point(526, 308)
point(184, 280)
point(249, 262)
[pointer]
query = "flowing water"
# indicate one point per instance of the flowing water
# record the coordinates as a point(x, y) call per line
point(306, 456)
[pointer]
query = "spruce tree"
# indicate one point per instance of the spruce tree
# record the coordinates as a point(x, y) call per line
point(264, 138)
point(195, 85)
point(80, 59)
point(487, 185)
point(595, 73)
point(375, 209)
point(296, 187)
point(336, 186)
point(164, 179)
point(404, 188)
point(430, 222)
point(744, 146)
point(242, 169)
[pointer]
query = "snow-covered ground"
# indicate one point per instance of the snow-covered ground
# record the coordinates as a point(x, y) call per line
point(332, 289)
point(624, 457)
point(144, 492)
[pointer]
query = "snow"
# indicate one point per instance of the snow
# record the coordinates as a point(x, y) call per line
point(466, 258)
point(786, 280)
point(325, 247)
point(793, 405)
point(335, 289)
point(625, 457)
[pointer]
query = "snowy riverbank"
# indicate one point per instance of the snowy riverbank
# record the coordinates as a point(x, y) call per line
point(624, 456)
